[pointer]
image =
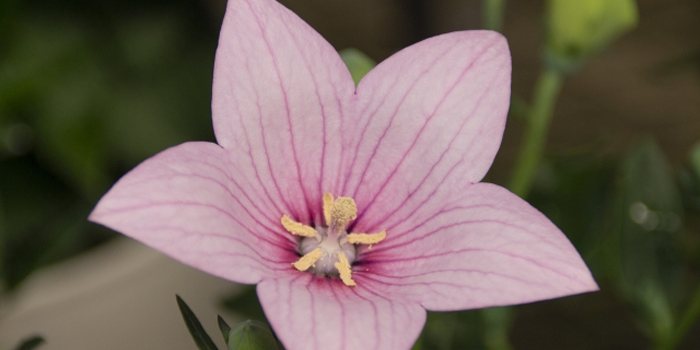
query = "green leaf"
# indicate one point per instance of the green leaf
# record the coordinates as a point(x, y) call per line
point(43, 219)
point(358, 63)
point(588, 178)
point(200, 336)
point(252, 335)
point(453, 330)
point(657, 311)
point(695, 159)
point(419, 344)
point(246, 304)
point(645, 234)
point(30, 343)
point(225, 328)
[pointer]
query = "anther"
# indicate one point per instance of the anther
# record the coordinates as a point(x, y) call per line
point(343, 266)
point(366, 238)
point(327, 205)
point(309, 260)
point(297, 228)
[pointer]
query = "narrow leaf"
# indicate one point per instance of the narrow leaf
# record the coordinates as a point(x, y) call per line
point(200, 336)
point(30, 343)
point(225, 328)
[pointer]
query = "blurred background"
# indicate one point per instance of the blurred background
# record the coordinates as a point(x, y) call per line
point(603, 137)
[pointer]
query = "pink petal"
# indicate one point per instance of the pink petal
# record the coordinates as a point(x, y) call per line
point(188, 203)
point(279, 96)
point(483, 247)
point(431, 115)
point(316, 313)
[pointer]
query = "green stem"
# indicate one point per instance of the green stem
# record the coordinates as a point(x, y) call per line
point(546, 92)
point(689, 317)
point(493, 14)
point(497, 324)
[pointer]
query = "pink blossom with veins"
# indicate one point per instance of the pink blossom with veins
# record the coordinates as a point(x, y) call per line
point(353, 210)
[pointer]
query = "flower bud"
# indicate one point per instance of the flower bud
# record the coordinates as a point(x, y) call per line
point(251, 335)
point(358, 63)
point(578, 28)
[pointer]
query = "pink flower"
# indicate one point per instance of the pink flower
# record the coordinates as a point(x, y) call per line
point(399, 159)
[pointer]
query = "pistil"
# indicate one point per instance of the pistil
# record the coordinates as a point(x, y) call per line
point(343, 210)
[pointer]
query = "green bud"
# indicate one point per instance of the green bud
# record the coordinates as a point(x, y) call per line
point(358, 63)
point(252, 335)
point(577, 29)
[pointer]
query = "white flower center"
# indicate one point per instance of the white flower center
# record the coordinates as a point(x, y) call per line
point(330, 246)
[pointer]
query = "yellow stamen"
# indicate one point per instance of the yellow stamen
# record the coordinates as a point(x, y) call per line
point(332, 238)
point(297, 228)
point(343, 266)
point(342, 212)
point(327, 205)
point(365, 238)
point(309, 260)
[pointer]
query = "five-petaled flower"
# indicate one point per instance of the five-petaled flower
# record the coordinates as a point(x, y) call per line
point(353, 209)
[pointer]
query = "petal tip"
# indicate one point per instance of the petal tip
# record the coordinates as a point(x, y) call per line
point(591, 286)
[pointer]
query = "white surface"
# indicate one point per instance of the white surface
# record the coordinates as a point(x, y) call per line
point(119, 296)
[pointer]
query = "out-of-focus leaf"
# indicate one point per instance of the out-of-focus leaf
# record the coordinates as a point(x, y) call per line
point(419, 344)
point(146, 39)
point(497, 324)
point(52, 83)
point(224, 327)
point(246, 303)
point(453, 330)
point(492, 14)
point(684, 64)
point(43, 220)
point(30, 343)
point(519, 108)
point(200, 336)
point(690, 185)
point(163, 97)
point(685, 323)
point(358, 63)
point(654, 304)
point(695, 159)
point(645, 228)
point(252, 335)
point(573, 191)
point(95, 102)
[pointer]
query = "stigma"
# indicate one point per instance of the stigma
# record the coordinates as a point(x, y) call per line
point(329, 250)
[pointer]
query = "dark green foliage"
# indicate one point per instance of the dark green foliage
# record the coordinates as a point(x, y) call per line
point(200, 336)
point(31, 343)
point(87, 91)
point(246, 303)
point(224, 327)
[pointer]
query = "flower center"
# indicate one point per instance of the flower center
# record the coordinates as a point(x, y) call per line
point(331, 247)
point(330, 250)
